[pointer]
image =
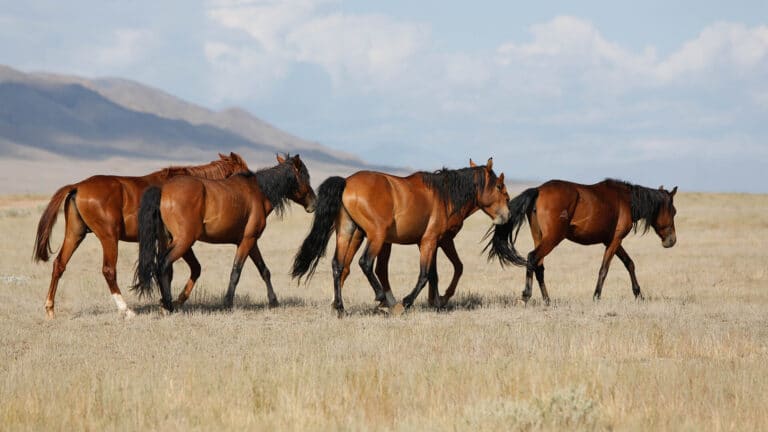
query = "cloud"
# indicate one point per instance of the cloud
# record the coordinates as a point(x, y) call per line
point(371, 50)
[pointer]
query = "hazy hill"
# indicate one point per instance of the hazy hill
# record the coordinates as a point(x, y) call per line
point(100, 118)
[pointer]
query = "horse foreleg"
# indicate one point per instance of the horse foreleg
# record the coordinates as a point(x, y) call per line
point(427, 249)
point(610, 250)
point(433, 294)
point(194, 274)
point(257, 259)
point(243, 249)
point(109, 270)
point(630, 265)
point(375, 245)
point(458, 268)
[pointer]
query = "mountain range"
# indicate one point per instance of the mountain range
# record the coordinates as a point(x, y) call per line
point(44, 114)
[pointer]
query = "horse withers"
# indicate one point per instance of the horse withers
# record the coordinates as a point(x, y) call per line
point(425, 208)
point(108, 206)
point(231, 211)
point(586, 214)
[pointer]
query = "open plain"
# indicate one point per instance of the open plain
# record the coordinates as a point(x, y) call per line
point(692, 356)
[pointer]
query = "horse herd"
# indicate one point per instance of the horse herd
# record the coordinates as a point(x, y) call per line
point(167, 211)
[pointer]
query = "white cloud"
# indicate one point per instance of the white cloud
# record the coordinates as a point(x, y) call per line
point(726, 47)
point(367, 49)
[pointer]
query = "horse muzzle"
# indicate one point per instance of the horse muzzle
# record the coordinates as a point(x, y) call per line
point(311, 205)
point(502, 218)
point(669, 241)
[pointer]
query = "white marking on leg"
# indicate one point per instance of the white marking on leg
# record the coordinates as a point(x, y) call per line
point(121, 306)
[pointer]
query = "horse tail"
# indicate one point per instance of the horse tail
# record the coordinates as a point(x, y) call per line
point(152, 242)
point(313, 248)
point(502, 245)
point(43, 249)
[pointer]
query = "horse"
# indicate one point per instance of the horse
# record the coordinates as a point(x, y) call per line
point(604, 212)
point(107, 206)
point(427, 209)
point(172, 217)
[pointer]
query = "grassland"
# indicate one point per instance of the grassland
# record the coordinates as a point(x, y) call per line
point(693, 356)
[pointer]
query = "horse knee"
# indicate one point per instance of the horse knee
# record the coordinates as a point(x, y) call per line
point(109, 273)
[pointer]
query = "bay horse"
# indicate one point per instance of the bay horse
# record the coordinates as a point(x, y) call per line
point(172, 217)
point(108, 206)
point(427, 209)
point(604, 213)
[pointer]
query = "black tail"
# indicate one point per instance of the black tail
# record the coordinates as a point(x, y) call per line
point(502, 245)
point(313, 248)
point(152, 242)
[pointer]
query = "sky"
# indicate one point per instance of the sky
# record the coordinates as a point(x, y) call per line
point(654, 93)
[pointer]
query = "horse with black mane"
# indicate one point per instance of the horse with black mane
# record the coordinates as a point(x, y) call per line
point(586, 214)
point(174, 216)
point(427, 209)
point(108, 206)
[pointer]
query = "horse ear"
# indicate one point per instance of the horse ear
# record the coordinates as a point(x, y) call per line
point(296, 161)
point(472, 163)
point(673, 191)
point(489, 164)
point(500, 180)
point(661, 188)
point(280, 159)
point(221, 156)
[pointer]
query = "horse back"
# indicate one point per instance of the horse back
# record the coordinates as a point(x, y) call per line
point(586, 214)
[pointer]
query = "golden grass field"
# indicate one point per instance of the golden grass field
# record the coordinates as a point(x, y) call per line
point(693, 356)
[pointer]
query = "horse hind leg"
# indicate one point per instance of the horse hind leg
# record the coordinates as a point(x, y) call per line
point(543, 246)
point(194, 274)
point(346, 248)
point(74, 233)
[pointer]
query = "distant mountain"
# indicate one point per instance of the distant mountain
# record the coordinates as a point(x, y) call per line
point(101, 118)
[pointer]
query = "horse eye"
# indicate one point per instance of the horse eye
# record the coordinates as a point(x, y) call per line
point(498, 187)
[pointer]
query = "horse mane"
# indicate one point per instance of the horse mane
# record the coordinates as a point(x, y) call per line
point(278, 183)
point(214, 170)
point(646, 203)
point(456, 188)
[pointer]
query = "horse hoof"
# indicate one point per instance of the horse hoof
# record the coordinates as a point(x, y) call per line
point(274, 303)
point(397, 309)
point(49, 314)
point(129, 314)
point(520, 302)
point(340, 313)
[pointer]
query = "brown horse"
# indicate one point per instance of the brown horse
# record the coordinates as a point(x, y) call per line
point(234, 210)
point(108, 207)
point(586, 214)
point(427, 209)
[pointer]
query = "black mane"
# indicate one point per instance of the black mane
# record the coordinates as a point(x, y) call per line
point(457, 188)
point(278, 183)
point(646, 203)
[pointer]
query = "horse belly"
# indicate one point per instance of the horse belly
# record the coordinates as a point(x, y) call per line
point(407, 232)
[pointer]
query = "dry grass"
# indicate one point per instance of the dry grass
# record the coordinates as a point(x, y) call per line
point(693, 356)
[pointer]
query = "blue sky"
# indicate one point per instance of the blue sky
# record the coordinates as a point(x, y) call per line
point(655, 93)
